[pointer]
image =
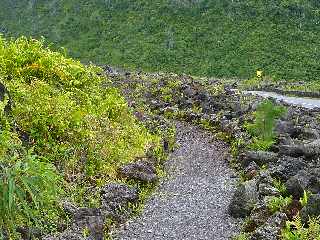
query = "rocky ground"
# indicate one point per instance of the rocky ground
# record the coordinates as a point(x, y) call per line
point(294, 161)
point(192, 202)
point(287, 171)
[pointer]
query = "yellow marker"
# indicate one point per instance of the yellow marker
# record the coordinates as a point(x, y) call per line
point(259, 74)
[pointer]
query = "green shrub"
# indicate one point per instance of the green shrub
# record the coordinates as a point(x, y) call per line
point(72, 120)
point(242, 236)
point(30, 187)
point(262, 129)
point(280, 186)
point(276, 204)
point(29, 191)
point(69, 116)
point(295, 230)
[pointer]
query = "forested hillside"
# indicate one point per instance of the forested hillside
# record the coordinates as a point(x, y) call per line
point(223, 38)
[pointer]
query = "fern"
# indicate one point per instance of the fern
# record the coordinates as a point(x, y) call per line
point(295, 230)
point(279, 203)
point(280, 186)
point(29, 190)
point(30, 186)
point(262, 129)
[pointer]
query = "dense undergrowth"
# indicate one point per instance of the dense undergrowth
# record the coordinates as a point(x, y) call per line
point(205, 38)
point(64, 131)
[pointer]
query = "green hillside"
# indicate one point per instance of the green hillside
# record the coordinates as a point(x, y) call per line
point(200, 37)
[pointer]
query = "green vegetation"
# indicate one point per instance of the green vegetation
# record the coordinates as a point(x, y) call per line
point(289, 88)
point(276, 204)
point(242, 236)
point(262, 129)
point(65, 128)
point(280, 186)
point(255, 83)
point(62, 127)
point(304, 199)
point(296, 231)
point(26, 199)
point(210, 38)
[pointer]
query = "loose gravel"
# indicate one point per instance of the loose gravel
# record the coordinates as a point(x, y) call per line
point(192, 202)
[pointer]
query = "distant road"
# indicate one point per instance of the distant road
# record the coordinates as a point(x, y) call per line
point(305, 102)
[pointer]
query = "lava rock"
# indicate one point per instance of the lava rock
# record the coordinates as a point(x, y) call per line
point(286, 167)
point(265, 184)
point(251, 171)
point(309, 133)
point(267, 190)
point(314, 180)
point(308, 150)
point(260, 213)
point(297, 184)
point(69, 208)
point(94, 224)
point(271, 229)
point(143, 171)
point(265, 178)
point(285, 141)
point(312, 209)
point(188, 91)
point(115, 198)
point(285, 127)
point(67, 235)
point(292, 150)
point(27, 233)
point(116, 195)
point(259, 157)
point(92, 219)
point(244, 198)
point(82, 213)
point(312, 149)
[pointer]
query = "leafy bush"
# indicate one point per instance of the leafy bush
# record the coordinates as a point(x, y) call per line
point(63, 116)
point(276, 204)
point(29, 187)
point(66, 111)
point(262, 129)
point(29, 190)
point(242, 236)
point(295, 230)
point(278, 184)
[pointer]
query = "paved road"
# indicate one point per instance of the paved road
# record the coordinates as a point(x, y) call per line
point(309, 103)
point(192, 202)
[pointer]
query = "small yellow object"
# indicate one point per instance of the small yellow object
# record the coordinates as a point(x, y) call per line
point(259, 74)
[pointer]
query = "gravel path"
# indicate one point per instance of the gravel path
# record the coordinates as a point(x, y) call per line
point(192, 202)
